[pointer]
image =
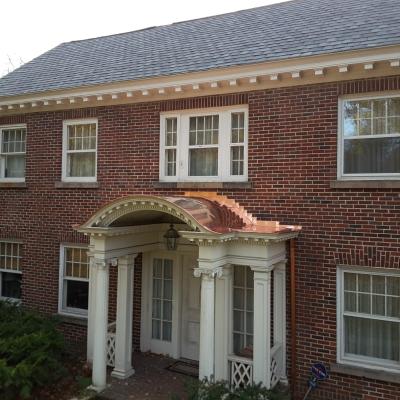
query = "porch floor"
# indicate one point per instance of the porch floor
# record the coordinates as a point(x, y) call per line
point(151, 381)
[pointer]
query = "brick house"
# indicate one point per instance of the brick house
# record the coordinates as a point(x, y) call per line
point(224, 190)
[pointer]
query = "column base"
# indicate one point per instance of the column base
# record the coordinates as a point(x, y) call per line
point(97, 389)
point(122, 374)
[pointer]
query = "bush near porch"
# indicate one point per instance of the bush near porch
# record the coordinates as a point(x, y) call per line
point(206, 390)
point(31, 351)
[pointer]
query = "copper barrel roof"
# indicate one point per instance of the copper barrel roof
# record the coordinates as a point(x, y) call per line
point(220, 214)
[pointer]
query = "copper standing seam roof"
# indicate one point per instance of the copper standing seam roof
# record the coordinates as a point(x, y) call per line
point(219, 214)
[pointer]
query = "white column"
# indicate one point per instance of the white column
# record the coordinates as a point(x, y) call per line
point(123, 345)
point(223, 286)
point(99, 373)
point(91, 310)
point(206, 358)
point(262, 327)
point(280, 313)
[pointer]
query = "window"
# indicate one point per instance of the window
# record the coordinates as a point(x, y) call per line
point(369, 145)
point(369, 318)
point(80, 151)
point(204, 145)
point(74, 280)
point(161, 321)
point(243, 299)
point(12, 153)
point(10, 270)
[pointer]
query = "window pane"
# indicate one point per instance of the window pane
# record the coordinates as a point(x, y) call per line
point(237, 160)
point(379, 107)
point(170, 162)
point(82, 165)
point(364, 283)
point(81, 137)
point(238, 321)
point(372, 338)
point(167, 310)
point(167, 331)
point(393, 285)
point(350, 281)
point(350, 115)
point(14, 166)
point(378, 284)
point(378, 305)
point(77, 293)
point(238, 343)
point(377, 155)
point(156, 329)
point(239, 274)
point(168, 289)
point(364, 303)
point(156, 309)
point(350, 301)
point(249, 322)
point(393, 125)
point(238, 298)
point(393, 106)
point(157, 288)
point(11, 285)
point(203, 162)
point(393, 307)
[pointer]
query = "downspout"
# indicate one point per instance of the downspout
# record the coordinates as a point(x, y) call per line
point(293, 316)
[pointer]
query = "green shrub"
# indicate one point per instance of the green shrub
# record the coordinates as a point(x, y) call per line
point(31, 350)
point(209, 390)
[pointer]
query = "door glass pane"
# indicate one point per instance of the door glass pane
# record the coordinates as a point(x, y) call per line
point(162, 299)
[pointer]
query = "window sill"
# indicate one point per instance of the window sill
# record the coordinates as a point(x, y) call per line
point(12, 185)
point(365, 184)
point(77, 185)
point(365, 373)
point(73, 320)
point(203, 185)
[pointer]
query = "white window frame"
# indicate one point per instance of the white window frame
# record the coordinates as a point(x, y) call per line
point(69, 311)
point(224, 145)
point(2, 172)
point(340, 147)
point(357, 360)
point(12, 271)
point(66, 123)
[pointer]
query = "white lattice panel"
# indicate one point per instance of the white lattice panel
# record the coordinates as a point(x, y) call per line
point(274, 373)
point(241, 372)
point(111, 349)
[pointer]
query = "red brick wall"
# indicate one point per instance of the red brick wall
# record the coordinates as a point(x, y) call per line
point(292, 159)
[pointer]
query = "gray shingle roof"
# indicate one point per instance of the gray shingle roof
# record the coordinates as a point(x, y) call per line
point(280, 31)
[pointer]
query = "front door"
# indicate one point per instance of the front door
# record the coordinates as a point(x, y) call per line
point(190, 310)
point(163, 277)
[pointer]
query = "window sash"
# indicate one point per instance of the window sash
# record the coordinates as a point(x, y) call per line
point(84, 173)
point(342, 174)
point(65, 277)
point(17, 150)
point(359, 359)
point(183, 147)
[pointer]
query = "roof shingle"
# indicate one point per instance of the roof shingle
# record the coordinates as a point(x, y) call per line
point(281, 31)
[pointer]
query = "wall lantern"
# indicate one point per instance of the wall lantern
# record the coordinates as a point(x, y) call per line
point(171, 237)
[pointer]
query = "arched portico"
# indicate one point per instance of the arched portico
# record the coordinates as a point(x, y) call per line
point(222, 234)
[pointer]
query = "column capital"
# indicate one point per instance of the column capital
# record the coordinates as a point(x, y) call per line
point(208, 272)
point(99, 263)
point(128, 259)
point(262, 269)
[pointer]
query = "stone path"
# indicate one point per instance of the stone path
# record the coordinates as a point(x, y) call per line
point(151, 381)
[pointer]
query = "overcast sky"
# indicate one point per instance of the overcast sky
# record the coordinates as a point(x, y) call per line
point(29, 28)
